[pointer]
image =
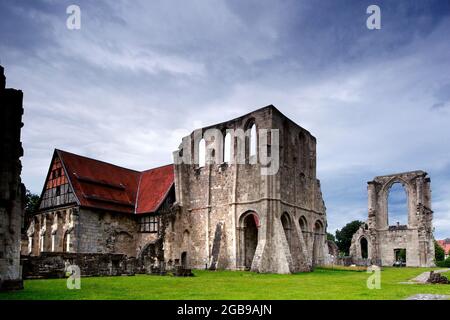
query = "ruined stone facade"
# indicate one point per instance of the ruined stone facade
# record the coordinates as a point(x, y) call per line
point(12, 191)
point(382, 242)
point(223, 214)
point(232, 214)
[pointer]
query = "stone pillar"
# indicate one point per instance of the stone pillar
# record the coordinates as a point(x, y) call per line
point(12, 191)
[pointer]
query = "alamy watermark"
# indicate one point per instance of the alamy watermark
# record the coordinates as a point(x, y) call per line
point(74, 277)
point(73, 21)
point(374, 280)
point(373, 22)
point(240, 146)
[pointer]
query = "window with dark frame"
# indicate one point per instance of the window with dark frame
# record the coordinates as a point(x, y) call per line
point(149, 224)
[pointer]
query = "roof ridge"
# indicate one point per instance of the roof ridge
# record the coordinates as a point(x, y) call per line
point(101, 161)
point(159, 167)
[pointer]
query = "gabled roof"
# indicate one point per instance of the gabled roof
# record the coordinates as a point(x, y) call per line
point(102, 185)
point(153, 188)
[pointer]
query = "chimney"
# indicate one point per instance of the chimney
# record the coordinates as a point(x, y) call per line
point(2, 78)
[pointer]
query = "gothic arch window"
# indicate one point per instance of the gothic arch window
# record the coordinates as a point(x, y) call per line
point(227, 148)
point(397, 205)
point(319, 241)
point(287, 227)
point(253, 140)
point(66, 242)
point(364, 248)
point(202, 153)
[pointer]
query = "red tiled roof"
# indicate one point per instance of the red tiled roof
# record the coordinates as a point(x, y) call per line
point(153, 188)
point(102, 185)
point(445, 244)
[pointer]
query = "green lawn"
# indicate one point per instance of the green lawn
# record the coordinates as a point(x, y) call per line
point(320, 284)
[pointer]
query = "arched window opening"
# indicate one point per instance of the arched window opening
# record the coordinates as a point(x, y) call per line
point(202, 153)
point(66, 242)
point(318, 243)
point(364, 248)
point(397, 205)
point(227, 148)
point(286, 222)
point(253, 140)
point(304, 227)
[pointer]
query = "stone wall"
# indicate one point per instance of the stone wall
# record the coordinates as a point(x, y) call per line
point(12, 191)
point(82, 230)
point(215, 200)
point(54, 264)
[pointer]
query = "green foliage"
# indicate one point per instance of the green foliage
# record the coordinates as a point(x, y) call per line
point(443, 264)
point(331, 237)
point(31, 206)
point(31, 202)
point(344, 236)
point(439, 253)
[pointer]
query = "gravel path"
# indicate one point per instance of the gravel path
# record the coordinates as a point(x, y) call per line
point(428, 297)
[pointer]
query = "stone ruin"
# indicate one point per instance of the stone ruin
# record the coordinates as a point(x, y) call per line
point(379, 242)
point(437, 278)
point(12, 191)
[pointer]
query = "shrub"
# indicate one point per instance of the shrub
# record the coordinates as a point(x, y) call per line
point(439, 253)
point(443, 264)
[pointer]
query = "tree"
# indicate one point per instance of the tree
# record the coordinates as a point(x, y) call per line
point(439, 253)
point(31, 206)
point(330, 237)
point(344, 236)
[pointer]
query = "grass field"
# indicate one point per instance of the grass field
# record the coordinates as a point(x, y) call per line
point(320, 284)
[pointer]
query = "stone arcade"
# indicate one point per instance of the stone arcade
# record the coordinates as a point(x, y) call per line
point(211, 212)
point(380, 242)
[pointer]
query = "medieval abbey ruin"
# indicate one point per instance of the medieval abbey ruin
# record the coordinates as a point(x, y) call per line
point(241, 195)
point(384, 242)
point(212, 210)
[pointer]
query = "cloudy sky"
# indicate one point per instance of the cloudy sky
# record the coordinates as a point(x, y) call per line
point(139, 75)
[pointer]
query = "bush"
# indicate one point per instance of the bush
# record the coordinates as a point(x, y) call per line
point(439, 253)
point(443, 264)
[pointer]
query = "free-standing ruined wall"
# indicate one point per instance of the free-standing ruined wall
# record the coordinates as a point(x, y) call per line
point(12, 191)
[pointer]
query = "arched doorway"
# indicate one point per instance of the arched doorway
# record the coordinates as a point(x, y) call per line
point(318, 243)
point(184, 263)
point(249, 241)
point(364, 248)
point(286, 222)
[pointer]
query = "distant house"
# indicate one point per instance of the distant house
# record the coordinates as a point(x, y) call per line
point(445, 244)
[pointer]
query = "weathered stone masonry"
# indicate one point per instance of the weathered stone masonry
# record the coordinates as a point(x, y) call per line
point(220, 215)
point(12, 191)
point(379, 239)
point(233, 217)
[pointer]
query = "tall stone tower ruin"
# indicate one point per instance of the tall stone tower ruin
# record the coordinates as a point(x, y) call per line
point(12, 191)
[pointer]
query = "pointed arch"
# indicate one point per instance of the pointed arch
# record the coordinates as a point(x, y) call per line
point(287, 227)
point(201, 153)
point(253, 141)
point(227, 148)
